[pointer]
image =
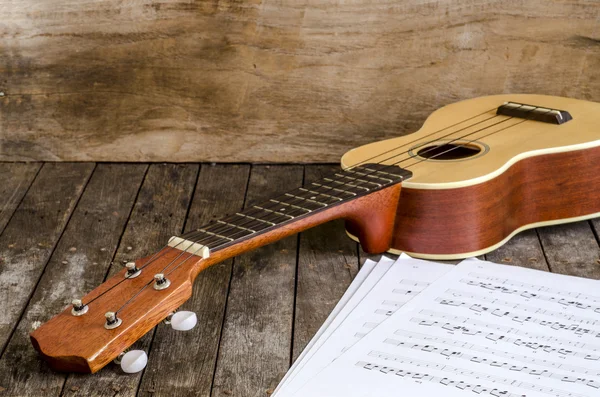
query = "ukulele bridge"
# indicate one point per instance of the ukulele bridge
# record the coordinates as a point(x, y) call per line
point(531, 112)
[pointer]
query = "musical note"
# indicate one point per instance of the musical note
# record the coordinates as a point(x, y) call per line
point(498, 353)
point(524, 307)
point(505, 313)
point(466, 373)
point(429, 348)
point(476, 388)
point(473, 326)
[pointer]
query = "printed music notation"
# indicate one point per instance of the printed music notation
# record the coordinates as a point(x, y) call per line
point(430, 348)
point(536, 287)
point(445, 381)
point(524, 307)
point(456, 323)
point(477, 376)
point(496, 311)
point(392, 288)
point(542, 361)
point(502, 330)
point(530, 295)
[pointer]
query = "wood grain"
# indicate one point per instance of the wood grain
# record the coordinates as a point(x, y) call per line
point(572, 249)
point(183, 363)
point(31, 235)
point(327, 263)
point(141, 307)
point(523, 250)
point(230, 81)
point(78, 264)
point(143, 235)
point(15, 180)
point(537, 189)
point(159, 212)
point(259, 316)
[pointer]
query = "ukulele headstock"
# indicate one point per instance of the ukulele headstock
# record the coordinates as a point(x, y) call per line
point(83, 338)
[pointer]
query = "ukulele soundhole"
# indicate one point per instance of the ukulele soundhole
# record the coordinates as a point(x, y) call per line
point(449, 151)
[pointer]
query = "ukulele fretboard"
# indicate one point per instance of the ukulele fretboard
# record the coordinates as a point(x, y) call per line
point(334, 189)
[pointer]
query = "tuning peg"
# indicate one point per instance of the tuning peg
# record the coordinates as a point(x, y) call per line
point(183, 321)
point(133, 361)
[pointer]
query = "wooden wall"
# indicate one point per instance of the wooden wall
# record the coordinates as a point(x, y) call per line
point(269, 80)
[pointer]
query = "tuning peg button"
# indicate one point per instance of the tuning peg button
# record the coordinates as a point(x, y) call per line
point(134, 361)
point(184, 321)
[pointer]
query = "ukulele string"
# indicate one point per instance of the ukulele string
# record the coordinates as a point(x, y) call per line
point(238, 234)
point(204, 241)
point(389, 166)
point(392, 165)
point(425, 159)
point(223, 245)
point(159, 254)
point(225, 227)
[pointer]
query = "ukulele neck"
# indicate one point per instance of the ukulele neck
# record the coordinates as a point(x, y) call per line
point(363, 195)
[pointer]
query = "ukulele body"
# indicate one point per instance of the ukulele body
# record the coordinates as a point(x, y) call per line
point(518, 175)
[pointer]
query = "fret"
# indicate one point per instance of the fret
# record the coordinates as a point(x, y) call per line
point(339, 187)
point(396, 174)
point(373, 174)
point(360, 180)
point(268, 224)
point(311, 205)
point(342, 187)
point(295, 208)
point(239, 231)
point(215, 234)
point(201, 237)
point(275, 216)
point(363, 188)
point(321, 198)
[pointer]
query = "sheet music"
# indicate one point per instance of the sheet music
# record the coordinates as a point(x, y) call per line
point(370, 273)
point(482, 329)
point(376, 301)
point(339, 311)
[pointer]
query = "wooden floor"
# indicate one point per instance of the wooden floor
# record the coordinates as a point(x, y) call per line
point(66, 227)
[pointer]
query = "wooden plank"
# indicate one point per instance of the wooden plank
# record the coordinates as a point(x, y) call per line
point(77, 265)
point(276, 81)
point(159, 213)
point(31, 235)
point(327, 263)
point(524, 250)
point(183, 363)
point(256, 341)
point(571, 249)
point(15, 180)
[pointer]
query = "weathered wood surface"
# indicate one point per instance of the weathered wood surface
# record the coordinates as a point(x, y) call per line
point(327, 263)
point(31, 235)
point(269, 81)
point(183, 363)
point(78, 264)
point(260, 306)
point(256, 312)
point(15, 180)
point(159, 212)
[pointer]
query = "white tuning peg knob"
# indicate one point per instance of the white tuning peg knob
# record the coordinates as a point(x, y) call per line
point(184, 321)
point(134, 361)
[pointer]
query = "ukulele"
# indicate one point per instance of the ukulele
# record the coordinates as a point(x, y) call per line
point(477, 172)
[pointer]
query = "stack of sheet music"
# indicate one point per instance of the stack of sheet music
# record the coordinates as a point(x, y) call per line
point(417, 328)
